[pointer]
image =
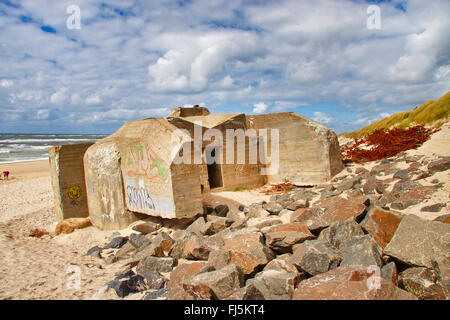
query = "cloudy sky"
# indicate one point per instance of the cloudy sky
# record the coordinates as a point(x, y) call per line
point(136, 59)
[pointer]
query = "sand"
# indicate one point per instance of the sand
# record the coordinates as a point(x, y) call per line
point(37, 268)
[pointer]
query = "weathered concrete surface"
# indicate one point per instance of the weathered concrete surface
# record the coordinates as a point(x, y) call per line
point(309, 152)
point(67, 172)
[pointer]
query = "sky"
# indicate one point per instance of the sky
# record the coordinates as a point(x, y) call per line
point(335, 61)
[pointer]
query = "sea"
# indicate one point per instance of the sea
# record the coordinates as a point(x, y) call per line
point(29, 147)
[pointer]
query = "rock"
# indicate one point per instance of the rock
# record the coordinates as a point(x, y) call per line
point(124, 274)
point(417, 242)
point(138, 240)
point(340, 231)
point(285, 202)
point(218, 284)
point(433, 208)
point(71, 224)
point(216, 224)
point(94, 251)
point(207, 210)
point(360, 250)
point(303, 194)
point(389, 272)
point(125, 252)
point(151, 249)
point(221, 210)
point(332, 210)
point(402, 174)
point(273, 207)
point(248, 292)
point(133, 284)
point(247, 250)
point(421, 282)
point(301, 203)
point(347, 184)
point(360, 170)
point(117, 242)
point(381, 224)
point(218, 258)
point(439, 165)
point(260, 223)
point(156, 294)
point(147, 227)
point(155, 280)
point(349, 283)
point(197, 226)
point(281, 263)
point(197, 248)
point(150, 263)
point(258, 213)
point(282, 237)
point(274, 284)
point(442, 268)
point(178, 275)
point(162, 242)
point(178, 246)
point(406, 193)
point(403, 204)
point(315, 256)
point(444, 219)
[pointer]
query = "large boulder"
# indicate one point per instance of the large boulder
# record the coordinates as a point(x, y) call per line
point(422, 283)
point(165, 264)
point(218, 284)
point(281, 238)
point(381, 224)
point(274, 284)
point(331, 210)
point(418, 242)
point(361, 250)
point(340, 231)
point(349, 283)
point(178, 275)
point(248, 251)
point(439, 165)
point(197, 248)
point(315, 256)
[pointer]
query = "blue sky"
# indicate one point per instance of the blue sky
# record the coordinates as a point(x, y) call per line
point(138, 59)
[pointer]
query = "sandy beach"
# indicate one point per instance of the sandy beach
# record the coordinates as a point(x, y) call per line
point(39, 268)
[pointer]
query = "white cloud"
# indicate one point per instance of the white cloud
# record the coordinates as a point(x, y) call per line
point(6, 83)
point(59, 96)
point(322, 117)
point(93, 99)
point(260, 107)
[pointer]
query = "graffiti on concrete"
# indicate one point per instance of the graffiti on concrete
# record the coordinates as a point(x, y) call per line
point(139, 199)
point(74, 192)
point(140, 160)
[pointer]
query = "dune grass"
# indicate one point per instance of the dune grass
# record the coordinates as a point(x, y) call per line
point(431, 112)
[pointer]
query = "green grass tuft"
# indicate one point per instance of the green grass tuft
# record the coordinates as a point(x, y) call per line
point(431, 112)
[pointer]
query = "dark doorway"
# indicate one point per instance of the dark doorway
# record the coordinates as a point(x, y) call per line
point(214, 169)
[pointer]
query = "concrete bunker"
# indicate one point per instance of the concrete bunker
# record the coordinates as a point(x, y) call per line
point(164, 166)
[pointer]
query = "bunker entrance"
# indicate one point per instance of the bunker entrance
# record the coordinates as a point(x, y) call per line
point(214, 168)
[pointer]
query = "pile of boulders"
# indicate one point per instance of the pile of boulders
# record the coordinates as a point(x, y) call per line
point(348, 239)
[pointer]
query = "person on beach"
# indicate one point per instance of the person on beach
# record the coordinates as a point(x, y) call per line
point(6, 174)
